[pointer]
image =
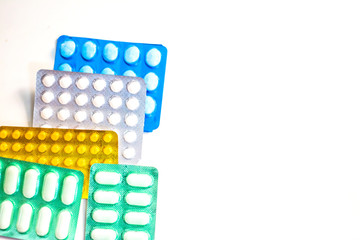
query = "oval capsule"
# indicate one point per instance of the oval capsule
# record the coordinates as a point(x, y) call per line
point(43, 221)
point(24, 218)
point(107, 178)
point(104, 216)
point(50, 186)
point(63, 225)
point(106, 197)
point(11, 179)
point(6, 210)
point(103, 234)
point(137, 218)
point(30, 183)
point(136, 235)
point(139, 180)
point(69, 190)
point(138, 199)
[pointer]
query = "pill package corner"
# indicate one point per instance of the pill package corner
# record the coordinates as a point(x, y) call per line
point(38, 201)
point(93, 101)
point(122, 202)
point(147, 61)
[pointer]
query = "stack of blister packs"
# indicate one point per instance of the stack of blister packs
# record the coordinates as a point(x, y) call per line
point(89, 117)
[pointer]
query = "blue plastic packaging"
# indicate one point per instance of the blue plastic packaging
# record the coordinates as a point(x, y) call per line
point(147, 61)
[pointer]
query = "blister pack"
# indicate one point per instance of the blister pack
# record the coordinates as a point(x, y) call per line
point(147, 61)
point(38, 201)
point(122, 202)
point(68, 148)
point(93, 101)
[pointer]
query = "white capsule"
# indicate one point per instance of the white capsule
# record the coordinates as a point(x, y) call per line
point(65, 81)
point(98, 100)
point(63, 114)
point(47, 97)
point(63, 225)
point(11, 179)
point(50, 186)
point(64, 98)
point(130, 136)
point(24, 218)
point(104, 216)
point(131, 120)
point(48, 80)
point(138, 199)
point(133, 87)
point(116, 86)
point(81, 99)
point(132, 103)
point(135, 235)
point(43, 221)
point(137, 218)
point(107, 178)
point(80, 116)
point(129, 153)
point(139, 180)
point(6, 211)
point(103, 234)
point(30, 183)
point(46, 113)
point(99, 84)
point(114, 118)
point(69, 190)
point(82, 83)
point(115, 102)
point(106, 197)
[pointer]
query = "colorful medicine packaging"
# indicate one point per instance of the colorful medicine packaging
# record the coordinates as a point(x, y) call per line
point(68, 148)
point(38, 201)
point(147, 61)
point(122, 202)
point(93, 101)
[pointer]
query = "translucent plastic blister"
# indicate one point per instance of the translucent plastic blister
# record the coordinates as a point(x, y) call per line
point(93, 101)
point(122, 202)
point(38, 201)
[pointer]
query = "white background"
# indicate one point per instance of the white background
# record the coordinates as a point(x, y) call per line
point(260, 129)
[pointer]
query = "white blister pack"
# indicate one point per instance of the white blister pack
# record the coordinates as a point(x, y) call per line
point(93, 101)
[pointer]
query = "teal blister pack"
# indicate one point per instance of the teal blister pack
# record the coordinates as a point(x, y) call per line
point(38, 201)
point(121, 202)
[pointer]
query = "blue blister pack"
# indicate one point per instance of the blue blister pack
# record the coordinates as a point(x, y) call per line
point(147, 61)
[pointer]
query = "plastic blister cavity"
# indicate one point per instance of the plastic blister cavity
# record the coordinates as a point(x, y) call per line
point(38, 201)
point(118, 58)
point(68, 148)
point(93, 101)
point(122, 202)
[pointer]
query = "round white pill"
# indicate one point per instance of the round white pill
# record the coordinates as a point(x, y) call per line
point(133, 87)
point(151, 81)
point(97, 117)
point(153, 57)
point(129, 73)
point(129, 153)
point(64, 98)
point(130, 136)
point(82, 83)
point(131, 120)
point(116, 86)
point(150, 105)
point(114, 118)
point(48, 80)
point(98, 100)
point(81, 99)
point(63, 114)
point(132, 103)
point(46, 113)
point(47, 97)
point(99, 84)
point(80, 116)
point(115, 102)
point(65, 81)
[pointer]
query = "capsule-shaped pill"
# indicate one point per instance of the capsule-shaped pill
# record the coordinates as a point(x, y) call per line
point(69, 190)
point(135, 235)
point(11, 179)
point(107, 178)
point(104, 216)
point(30, 183)
point(103, 234)
point(138, 199)
point(63, 225)
point(137, 218)
point(6, 211)
point(139, 180)
point(50, 186)
point(24, 218)
point(43, 221)
point(106, 197)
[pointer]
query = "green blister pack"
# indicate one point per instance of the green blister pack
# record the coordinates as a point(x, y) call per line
point(38, 201)
point(122, 202)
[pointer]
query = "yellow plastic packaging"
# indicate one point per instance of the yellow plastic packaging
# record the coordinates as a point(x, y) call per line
point(68, 148)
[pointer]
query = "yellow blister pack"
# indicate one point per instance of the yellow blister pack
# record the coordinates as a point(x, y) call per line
point(68, 148)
